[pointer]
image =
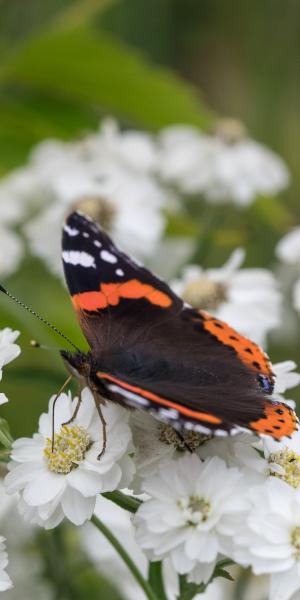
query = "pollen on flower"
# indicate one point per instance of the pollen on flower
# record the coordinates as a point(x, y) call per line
point(70, 446)
point(289, 460)
point(168, 435)
point(295, 541)
point(196, 509)
point(204, 293)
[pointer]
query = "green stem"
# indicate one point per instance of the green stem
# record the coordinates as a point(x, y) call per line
point(127, 502)
point(126, 558)
point(5, 436)
point(156, 581)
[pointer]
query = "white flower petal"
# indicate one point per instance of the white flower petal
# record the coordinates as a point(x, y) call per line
point(77, 508)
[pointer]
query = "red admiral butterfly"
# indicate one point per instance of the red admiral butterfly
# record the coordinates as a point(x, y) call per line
point(149, 350)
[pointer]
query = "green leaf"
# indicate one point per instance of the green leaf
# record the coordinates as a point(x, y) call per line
point(127, 502)
point(82, 66)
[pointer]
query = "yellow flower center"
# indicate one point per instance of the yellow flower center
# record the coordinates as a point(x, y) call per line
point(70, 446)
point(168, 435)
point(99, 209)
point(204, 293)
point(230, 131)
point(196, 509)
point(295, 541)
point(290, 463)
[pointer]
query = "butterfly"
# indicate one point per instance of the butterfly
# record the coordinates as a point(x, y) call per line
point(150, 350)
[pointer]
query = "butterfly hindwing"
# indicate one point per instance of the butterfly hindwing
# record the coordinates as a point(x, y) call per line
point(151, 351)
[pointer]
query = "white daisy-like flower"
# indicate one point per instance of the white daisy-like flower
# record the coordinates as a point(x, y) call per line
point(108, 175)
point(240, 451)
point(11, 251)
point(288, 248)
point(65, 482)
point(192, 514)
point(248, 299)
point(8, 349)
point(285, 376)
point(155, 441)
point(5, 581)
point(288, 251)
point(223, 167)
point(270, 539)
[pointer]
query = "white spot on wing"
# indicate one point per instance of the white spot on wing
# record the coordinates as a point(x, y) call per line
point(71, 230)
point(74, 257)
point(108, 257)
point(169, 413)
point(85, 234)
point(134, 398)
point(119, 272)
point(97, 243)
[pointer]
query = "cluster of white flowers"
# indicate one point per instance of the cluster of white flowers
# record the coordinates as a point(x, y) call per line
point(125, 181)
point(227, 166)
point(236, 497)
point(8, 352)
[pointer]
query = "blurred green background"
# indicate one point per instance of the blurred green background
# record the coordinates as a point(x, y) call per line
point(65, 64)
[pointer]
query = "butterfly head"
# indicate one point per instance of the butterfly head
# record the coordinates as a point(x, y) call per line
point(78, 364)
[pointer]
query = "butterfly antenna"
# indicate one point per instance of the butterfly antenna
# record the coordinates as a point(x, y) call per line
point(35, 314)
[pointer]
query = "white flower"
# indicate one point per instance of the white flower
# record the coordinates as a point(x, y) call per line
point(247, 299)
point(5, 581)
point(225, 167)
point(8, 349)
point(288, 248)
point(15, 192)
point(108, 175)
point(11, 252)
point(285, 377)
point(65, 482)
point(154, 442)
point(192, 513)
point(240, 451)
point(270, 538)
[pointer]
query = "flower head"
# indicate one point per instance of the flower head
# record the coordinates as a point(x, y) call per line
point(227, 166)
point(65, 480)
point(107, 175)
point(193, 507)
point(241, 297)
point(8, 349)
point(270, 538)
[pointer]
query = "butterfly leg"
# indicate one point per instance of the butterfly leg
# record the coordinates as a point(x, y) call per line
point(77, 407)
point(53, 408)
point(104, 435)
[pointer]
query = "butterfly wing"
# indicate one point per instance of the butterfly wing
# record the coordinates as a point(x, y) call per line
point(153, 352)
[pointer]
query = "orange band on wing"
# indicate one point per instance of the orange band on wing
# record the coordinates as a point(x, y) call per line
point(249, 352)
point(110, 294)
point(199, 416)
point(279, 421)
